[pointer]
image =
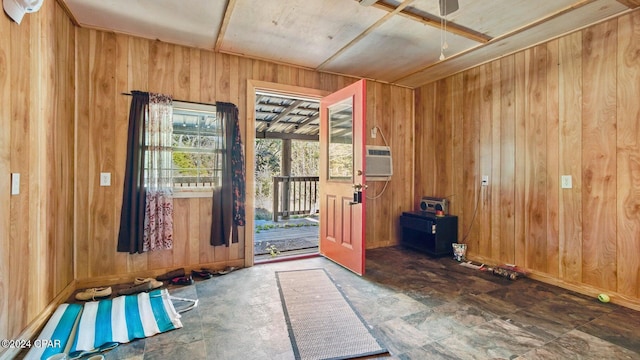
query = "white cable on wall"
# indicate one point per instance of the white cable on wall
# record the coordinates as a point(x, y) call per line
point(386, 182)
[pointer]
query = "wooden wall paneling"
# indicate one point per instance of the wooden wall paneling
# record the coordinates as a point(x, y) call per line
point(40, 94)
point(223, 77)
point(180, 232)
point(485, 164)
point(535, 159)
point(426, 99)
point(81, 212)
point(102, 237)
point(195, 69)
point(598, 144)
point(65, 100)
point(442, 134)
point(628, 155)
point(384, 229)
point(520, 163)
point(570, 160)
point(20, 232)
point(6, 124)
point(506, 198)
point(192, 233)
point(208, 253)
point(552, 151)
point(207, 77)
point(403, 140)
point(457, 151)
point(471, 195)
point(495, 180)
point(182, 73)
point(120, 128)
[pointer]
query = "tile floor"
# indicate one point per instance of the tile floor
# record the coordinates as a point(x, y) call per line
point(418, 307)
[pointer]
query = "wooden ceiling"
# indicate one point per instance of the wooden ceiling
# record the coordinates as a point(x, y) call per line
point(392, 41)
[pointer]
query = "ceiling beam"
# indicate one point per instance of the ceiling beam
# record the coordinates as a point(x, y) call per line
point(376, 25)
point(283, 136)
point(285, 112)
point(435, 21)
point(231, 4)
point(631, 4)
point(563, 11)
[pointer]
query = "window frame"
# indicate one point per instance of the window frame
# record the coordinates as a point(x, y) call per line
point(195, 191)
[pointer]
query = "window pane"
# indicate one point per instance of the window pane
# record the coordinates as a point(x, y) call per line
point(341, 140)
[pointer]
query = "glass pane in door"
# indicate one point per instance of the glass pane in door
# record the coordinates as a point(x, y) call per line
point(340, 157)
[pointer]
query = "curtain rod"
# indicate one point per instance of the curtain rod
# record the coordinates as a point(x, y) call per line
point(184, 101)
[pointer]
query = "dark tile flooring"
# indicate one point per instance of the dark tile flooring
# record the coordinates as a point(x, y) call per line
point(418, 307)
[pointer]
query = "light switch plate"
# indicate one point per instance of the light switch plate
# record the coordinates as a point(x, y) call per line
point(485, 180)
point(566, 181)
point(105, 179)
point(15, 184)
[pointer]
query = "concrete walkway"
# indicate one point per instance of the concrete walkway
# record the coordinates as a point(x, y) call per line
point(286, 235)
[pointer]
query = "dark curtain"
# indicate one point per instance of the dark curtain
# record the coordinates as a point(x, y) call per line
point(228, 199)
point(133, 198)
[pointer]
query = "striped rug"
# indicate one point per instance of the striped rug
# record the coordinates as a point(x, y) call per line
point(104, 324)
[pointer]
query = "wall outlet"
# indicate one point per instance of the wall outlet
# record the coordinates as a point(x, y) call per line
point(485, 180)
point(566, 181)
point(105, 179)
point(374, 132)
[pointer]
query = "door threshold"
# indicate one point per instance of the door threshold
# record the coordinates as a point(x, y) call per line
point(281, 258)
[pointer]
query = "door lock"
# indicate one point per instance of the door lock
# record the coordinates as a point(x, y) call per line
point(357, 194)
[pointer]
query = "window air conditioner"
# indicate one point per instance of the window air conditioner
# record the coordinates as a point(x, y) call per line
point(379, 166)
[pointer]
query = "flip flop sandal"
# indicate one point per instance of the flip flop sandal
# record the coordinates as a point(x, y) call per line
point(227, 270)
point(202, 274)
point(182, 280)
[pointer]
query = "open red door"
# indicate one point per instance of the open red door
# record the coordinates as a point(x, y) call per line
point(342, 207)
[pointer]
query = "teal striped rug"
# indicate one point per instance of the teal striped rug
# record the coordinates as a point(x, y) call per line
point(78, 330)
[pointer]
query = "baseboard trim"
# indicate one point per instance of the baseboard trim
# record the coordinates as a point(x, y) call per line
point(34, 328)
point(584, 289)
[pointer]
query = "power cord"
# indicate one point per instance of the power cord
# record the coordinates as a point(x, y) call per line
point(473, 218)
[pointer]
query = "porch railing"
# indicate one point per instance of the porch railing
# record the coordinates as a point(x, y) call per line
point(294, 195)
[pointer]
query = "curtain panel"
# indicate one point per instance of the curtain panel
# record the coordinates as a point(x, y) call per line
point(158, 220)
point(228, 212)
point(146, 217)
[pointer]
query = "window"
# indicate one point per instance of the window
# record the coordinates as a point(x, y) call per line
point(196, 154)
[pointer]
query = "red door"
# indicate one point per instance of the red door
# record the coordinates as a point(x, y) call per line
point(342, 207)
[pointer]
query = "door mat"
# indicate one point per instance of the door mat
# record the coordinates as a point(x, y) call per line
point(322, 323)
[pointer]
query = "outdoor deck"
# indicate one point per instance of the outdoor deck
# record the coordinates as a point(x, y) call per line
point(293, 236)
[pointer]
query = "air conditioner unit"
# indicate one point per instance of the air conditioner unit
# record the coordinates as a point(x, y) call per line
point(379, 166)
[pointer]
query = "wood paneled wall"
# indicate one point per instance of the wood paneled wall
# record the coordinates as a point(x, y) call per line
point(37, 63)
point(109, 64)
point(566, 107)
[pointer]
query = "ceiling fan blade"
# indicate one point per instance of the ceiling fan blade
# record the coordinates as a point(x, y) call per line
point(448, 6)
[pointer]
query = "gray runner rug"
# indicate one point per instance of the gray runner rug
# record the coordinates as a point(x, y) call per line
point(322, 323)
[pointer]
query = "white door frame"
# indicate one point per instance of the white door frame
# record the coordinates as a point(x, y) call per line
point(250, 156)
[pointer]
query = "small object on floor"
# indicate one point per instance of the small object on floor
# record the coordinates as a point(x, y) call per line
point(226, 270)
point(182, 280)
point(145, 286)
point(204, 274)
point(154, 283)
point(471, 265)
point(604, 298)
point(94, 293)
point(459, 251)
point(96, 357)
point(171, 274)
